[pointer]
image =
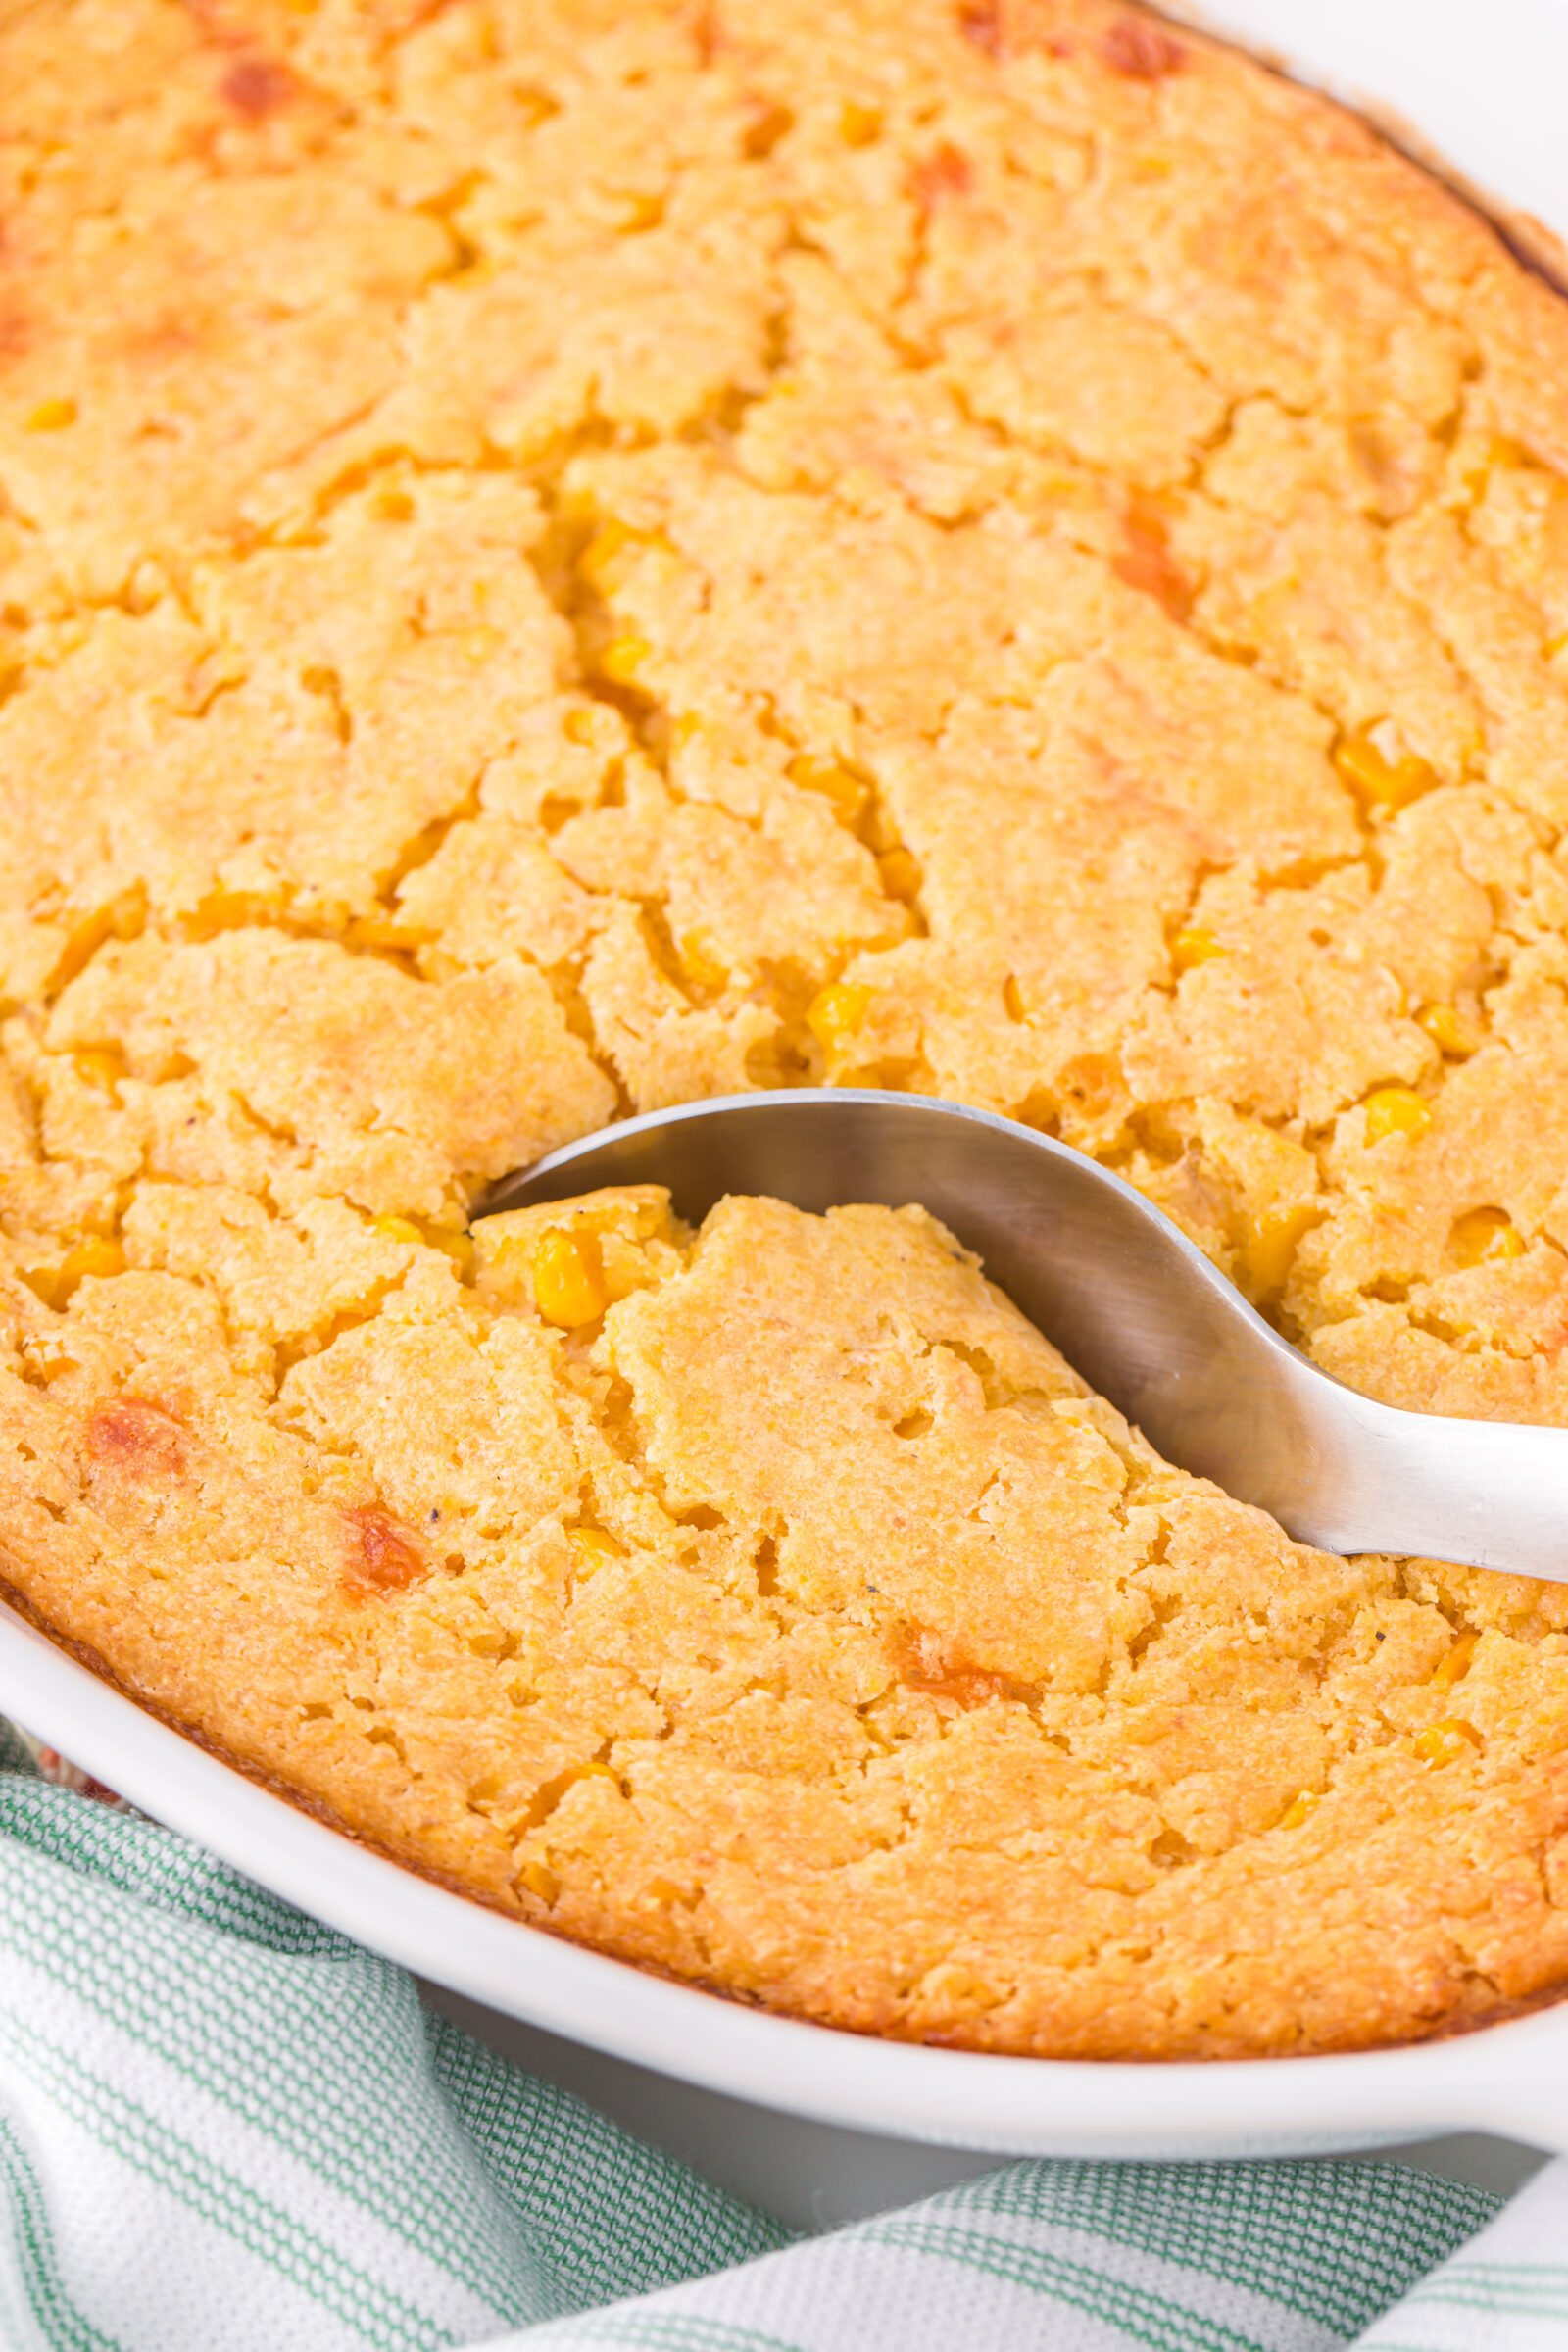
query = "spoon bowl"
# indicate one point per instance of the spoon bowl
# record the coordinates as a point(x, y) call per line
point(1132, 1304)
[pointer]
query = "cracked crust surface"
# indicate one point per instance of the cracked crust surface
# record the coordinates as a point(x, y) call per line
point(801, 1624)
point(556, 560)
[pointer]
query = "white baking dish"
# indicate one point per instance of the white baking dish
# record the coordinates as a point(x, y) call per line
point(1485, 90)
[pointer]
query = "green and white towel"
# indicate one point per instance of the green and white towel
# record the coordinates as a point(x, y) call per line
point(225, 2127)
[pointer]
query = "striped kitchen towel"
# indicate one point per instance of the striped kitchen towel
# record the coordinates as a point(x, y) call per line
point(225, 2127)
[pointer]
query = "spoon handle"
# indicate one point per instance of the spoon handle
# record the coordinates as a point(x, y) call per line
point(1484, 1493)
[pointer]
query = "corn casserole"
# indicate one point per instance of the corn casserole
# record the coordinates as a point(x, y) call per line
point(559, 556)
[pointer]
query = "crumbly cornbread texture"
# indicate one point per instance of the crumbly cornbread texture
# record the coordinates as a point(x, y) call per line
point(778, 1609)
point(558, 556)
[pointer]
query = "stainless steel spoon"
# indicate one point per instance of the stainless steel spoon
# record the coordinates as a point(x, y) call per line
point(1131, 1303)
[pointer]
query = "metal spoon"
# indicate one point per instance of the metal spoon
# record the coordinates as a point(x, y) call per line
point(1131, 1303)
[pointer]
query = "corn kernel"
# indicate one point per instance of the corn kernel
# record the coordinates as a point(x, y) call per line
point(901, 873)
point(47, 1356)
point(599, 563)
point(622, 658)
point(395, 505)
point(1383, 787)
point(226, 910)
point(859, 125)
point(1501, 452)
point(541, 1883)
point(1443, 1743)
point(847, 791)
point(121, 919)
point(55, 1285)
point(836, 1013)
point(1395, 1110)
point(129, 913)
point(579, 728)
point(878, 831)
point(1450, 1032)
point(603, 549)
point(641, 211)
point(50, 416)
point(593, 1547)
point(100, 1066)
point(459, 1247)
point(386, 931)
point(1486, 1237)
point(1303, 1810)
point(482, 645)
point(569, 1277)
point(450, 1242)
point(100, 1258)
point(1456, 1665)
point(1271, 1246)
point(397, 1229)
point(1192, 946)
point(701, 960)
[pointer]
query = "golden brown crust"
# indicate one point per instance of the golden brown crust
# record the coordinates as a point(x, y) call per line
point(555, 560)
